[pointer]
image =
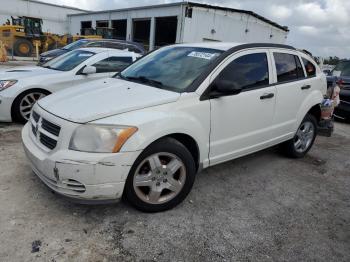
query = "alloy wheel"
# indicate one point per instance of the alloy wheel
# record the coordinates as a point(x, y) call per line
point(27, 103)
point(159, 178)
point(304, 137)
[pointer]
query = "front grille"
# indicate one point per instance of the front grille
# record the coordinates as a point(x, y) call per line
point(45, 132)
point(50, 127)
point(47, 141)
point(36, 116)
point(34, 130)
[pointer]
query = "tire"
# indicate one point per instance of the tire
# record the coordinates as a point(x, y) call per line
point(23, 104)
point(299, 146)
point(152, 187)
point(23, 47)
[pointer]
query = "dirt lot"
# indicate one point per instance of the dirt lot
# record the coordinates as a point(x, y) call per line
point(261, 207)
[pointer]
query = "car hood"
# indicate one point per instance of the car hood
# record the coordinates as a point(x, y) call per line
point(21, 72)
point(54, 53)
point(104, 98)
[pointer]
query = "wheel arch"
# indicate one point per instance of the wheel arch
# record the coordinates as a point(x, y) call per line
point(188, 141)
point(311, 105)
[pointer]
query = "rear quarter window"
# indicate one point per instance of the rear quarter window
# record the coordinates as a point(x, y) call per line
point(309, 68)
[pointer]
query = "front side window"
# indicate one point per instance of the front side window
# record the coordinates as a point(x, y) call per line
point(69, 60)
point(286, 67)
point(112, 64)
point(247, 72)
point(309, 67)
point(171, 68)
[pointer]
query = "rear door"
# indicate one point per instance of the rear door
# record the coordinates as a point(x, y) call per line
point(292, 88)
point(241, 123)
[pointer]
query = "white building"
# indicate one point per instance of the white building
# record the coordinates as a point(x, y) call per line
point(54, 16)
point(180, 23)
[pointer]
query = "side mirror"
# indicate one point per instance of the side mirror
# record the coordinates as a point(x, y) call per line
point(89, 70)
point(221, 88)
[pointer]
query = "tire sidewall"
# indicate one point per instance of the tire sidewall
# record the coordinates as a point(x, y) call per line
point(312, 120)
point(168, 145)
point(15, 110)
point(18, 52)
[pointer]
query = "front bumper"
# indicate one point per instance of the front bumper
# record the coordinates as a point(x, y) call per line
point(85, 177)
point(5, 109)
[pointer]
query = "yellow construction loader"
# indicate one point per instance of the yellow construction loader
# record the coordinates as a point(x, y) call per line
point(23, 34)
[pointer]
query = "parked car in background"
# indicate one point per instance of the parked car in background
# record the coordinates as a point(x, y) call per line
point(21, 87)
point(146, 132)
point(104, 43)
point(341, 75)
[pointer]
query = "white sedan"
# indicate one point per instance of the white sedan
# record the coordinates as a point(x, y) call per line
point(21, 87)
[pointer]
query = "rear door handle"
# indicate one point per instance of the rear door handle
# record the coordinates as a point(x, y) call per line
point(305, 87)
point(267, 96)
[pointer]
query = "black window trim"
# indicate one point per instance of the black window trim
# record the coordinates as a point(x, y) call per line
point(197, 82)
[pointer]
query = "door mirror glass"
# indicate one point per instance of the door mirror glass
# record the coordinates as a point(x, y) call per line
point(89, 70)
point(222, 87)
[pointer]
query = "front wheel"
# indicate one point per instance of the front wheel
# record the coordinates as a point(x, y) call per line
point(161, 177)
point(303, 139)
point(23, 104)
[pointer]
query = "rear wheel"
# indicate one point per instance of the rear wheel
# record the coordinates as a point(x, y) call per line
point(303, 139)
point(23, 104)
point(161, 177)
point(23, 47)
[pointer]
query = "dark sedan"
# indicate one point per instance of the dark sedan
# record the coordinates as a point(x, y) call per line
point(341, 74)
point(106, 43)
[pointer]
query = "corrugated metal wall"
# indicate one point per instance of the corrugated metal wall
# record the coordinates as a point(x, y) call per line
point(54, 17)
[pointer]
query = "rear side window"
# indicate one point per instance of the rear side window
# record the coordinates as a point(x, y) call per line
point(286, 67)
point(247, 72)
point(112, 64)
point(309, 68)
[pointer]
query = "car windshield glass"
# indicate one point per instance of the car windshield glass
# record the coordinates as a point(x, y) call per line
point(76, 45)
point(342, 69)
point(69, 61)
point(171, 68)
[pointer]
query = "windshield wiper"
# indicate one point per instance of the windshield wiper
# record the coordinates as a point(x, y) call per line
point(144, 80)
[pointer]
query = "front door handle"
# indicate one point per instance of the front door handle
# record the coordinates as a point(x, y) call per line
point(267, 96)
point(305, 87)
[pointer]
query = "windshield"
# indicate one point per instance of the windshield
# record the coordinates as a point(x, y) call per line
point(76, 45)
point(171, 68)
point(342, 69)
point(69, 60)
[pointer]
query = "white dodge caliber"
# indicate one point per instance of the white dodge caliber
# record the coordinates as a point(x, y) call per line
point(146, 133)
point(21, 87)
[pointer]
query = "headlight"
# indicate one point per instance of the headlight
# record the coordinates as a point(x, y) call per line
point(100, 138)
point(6, 84)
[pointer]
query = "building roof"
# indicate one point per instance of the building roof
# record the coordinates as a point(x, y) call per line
point(193, 4)
point(61, 6)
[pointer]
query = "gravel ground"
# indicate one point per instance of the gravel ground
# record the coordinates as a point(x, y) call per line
point(263, 207)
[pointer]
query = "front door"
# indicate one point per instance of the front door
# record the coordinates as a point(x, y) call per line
point(241, 123)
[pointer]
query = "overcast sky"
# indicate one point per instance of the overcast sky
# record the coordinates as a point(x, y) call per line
point(321, 26)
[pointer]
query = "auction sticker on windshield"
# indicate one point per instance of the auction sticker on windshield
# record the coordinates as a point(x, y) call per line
point(202, 55)
point(85, 55)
